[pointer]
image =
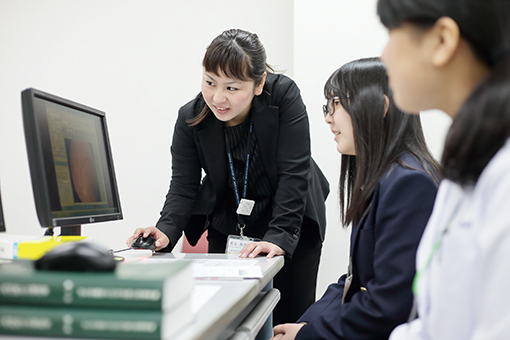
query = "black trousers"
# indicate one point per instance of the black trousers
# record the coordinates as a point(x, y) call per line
point(297, 280)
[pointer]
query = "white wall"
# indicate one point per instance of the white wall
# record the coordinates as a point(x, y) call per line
point(139, 61)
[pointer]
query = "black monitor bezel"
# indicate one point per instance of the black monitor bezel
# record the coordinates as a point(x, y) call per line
point(2, 219)
point(37, 166)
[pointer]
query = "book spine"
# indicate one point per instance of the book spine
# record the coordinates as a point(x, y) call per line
point(92, 323)
point(77, 290)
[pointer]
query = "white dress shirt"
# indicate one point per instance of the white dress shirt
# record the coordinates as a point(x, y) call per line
point(464, 291)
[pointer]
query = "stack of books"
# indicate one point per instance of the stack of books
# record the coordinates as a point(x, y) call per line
point(136, 301)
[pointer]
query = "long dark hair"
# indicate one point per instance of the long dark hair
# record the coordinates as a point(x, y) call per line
point(239, 55)
point(482, 125)
point(379, 139)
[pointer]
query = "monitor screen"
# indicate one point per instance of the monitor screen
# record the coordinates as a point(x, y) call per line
point(70, 162)
point(2, 223)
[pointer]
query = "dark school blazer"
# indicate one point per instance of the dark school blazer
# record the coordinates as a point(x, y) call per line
point(383, 247)
point(280, 124)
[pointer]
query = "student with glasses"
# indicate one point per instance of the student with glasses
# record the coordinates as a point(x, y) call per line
point(388, 183)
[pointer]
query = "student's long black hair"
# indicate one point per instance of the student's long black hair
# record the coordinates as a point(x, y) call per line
point(482, 125)
point(379, 138)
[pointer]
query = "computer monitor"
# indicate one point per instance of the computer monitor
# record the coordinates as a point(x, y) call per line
point(70, 160)
point(2, 221)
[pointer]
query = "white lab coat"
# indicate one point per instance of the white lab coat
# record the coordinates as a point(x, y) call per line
point(465, 291)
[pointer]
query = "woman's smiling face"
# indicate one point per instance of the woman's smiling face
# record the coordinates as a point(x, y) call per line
point(229, 99)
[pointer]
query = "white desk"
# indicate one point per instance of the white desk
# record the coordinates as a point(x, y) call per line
point(236, 311)
point(222, 316)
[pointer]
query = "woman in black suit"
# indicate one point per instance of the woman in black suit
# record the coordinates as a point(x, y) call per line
point(388, 183)
point(248, 131)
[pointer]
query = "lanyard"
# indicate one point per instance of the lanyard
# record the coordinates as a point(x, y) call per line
point(232, 174)
point(435, 248)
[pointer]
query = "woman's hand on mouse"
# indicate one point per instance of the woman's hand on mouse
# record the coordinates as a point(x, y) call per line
point(161, 239)
point(253, 249)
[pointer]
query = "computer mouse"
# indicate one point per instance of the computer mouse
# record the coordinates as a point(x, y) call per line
point(144, 243)
point(77, 256)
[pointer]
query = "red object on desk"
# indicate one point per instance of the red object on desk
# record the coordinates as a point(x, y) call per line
point(201, 246)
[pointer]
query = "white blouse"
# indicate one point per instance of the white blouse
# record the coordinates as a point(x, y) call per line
point(464, 291)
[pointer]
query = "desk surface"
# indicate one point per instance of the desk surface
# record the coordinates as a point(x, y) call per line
point(232, 298)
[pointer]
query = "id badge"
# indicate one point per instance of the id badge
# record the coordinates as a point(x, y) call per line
point(245, 207)
point(235, 243)
point(347, 285)
point(348, 280)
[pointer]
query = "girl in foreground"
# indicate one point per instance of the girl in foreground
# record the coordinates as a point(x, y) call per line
point(454, 55)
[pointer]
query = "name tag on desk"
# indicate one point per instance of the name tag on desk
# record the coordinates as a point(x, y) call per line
point(235, 243)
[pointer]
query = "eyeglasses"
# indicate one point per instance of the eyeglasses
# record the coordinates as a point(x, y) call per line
point(329, 108)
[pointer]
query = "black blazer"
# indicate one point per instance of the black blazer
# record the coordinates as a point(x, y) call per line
point(383, 247)
point(280, 124)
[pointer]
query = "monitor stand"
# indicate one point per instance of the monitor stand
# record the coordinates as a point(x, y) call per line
point(69, 230)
